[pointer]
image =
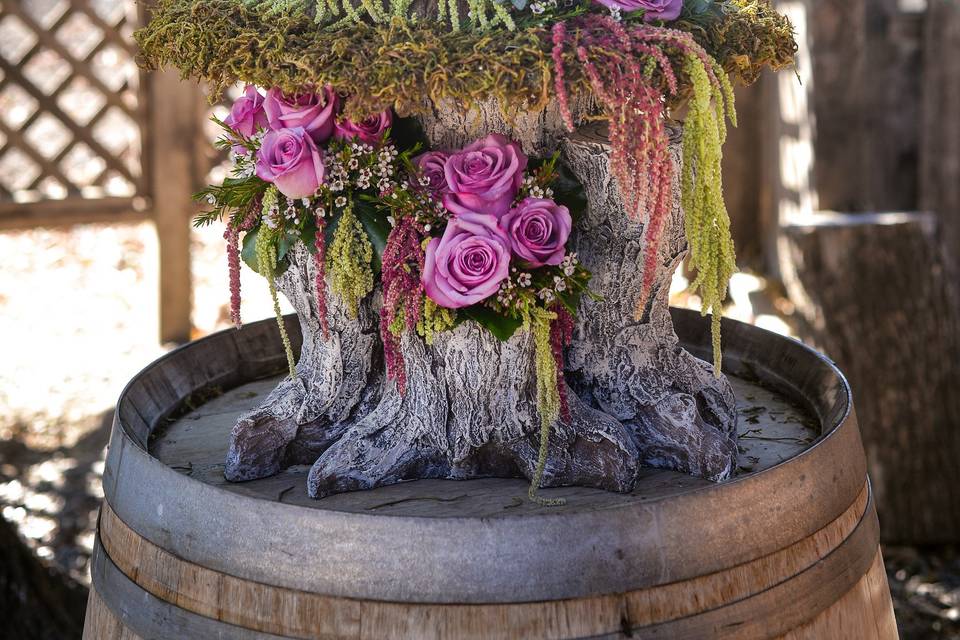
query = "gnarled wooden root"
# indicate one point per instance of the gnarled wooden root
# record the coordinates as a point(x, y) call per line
point(339, 377)
point(470, 411)
point(682, 416)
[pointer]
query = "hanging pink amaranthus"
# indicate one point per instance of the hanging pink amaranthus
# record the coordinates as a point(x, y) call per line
point(402, 261)
point(320, 281)
point(561, 334)
point(630, 72)
point(232, 236)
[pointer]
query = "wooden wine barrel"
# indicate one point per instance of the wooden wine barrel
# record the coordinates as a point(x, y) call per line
point(789, 548)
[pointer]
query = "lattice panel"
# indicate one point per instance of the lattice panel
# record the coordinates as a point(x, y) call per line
point(71, 110)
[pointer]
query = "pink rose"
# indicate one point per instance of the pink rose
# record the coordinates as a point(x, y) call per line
point(538, 230)
point(369, 130)
point(485, 176)
point(430, 170)
point(468, 263)
point(290, 159)
point(247, 116)
point(313, 112)
point(665, 10)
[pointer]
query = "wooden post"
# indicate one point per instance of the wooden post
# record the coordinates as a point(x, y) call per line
point(940, 139)
point(174, 124)
point(872, 292)
point(743, 178)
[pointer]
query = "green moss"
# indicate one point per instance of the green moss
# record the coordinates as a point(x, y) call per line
point(407, 63)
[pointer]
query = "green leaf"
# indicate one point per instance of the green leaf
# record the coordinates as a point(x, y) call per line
point(568, 191)
point(407, 133)
point(375, 224)
point(249, 251)
point(501, 326)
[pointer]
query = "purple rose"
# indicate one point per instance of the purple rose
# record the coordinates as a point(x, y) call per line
point(312, 111)
point(290, 159)
point(430, 171)
point(538, 230)
point(468, 263)
point(485, 176)
point(247, 116)
point(369, 130)
point(665, 10)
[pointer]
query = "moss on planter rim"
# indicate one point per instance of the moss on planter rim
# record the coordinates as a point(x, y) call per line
point(403, 62)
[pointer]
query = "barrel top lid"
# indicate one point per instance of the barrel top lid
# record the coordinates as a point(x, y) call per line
point(772, 429)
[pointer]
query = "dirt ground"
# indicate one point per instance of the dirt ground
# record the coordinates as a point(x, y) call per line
point(78, 317)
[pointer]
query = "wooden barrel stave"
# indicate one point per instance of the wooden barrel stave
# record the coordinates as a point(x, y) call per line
point(791, 550)
point(784, 593)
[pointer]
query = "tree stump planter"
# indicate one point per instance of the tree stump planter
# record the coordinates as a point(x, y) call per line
point(470, 405)
point(786, 549)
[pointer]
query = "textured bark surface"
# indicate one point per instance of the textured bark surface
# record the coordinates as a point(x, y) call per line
point(469, 409)
point(681, 415)
point(338, 380)
point(873, 292)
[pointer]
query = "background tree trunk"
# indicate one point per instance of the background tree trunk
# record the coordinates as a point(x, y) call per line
point(874, 296)
point(36, 601)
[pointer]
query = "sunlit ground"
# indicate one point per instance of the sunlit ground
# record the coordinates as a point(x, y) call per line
point(78, 318)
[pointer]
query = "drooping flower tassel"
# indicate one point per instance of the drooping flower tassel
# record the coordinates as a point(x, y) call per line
point(266, 250)
point(232, 236)
point(561, 334)
point(548, 399)
point(320, 280)
point(403, 259)
point(351, 276)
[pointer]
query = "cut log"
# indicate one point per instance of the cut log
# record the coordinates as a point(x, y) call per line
point(873, 294)
point(940, 139)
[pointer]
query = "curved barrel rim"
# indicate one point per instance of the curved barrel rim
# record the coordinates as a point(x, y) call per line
point(514, 558)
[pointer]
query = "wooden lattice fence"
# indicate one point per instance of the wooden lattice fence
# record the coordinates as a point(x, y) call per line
point(85, 136)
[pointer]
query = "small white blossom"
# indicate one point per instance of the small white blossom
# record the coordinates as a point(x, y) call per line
point(340, 202)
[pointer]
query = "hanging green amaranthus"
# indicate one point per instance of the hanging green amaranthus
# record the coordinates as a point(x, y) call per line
point(266, 249)
point(707, 222)
point(548, 397)
point(349, 261)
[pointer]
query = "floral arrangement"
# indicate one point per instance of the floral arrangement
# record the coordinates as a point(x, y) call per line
point(638, 59)
point(479, 233)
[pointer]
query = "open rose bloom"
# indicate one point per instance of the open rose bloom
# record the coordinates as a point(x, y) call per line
point(665, 10)
point(290, 159)
point(538, 229)
point(369, 130)
point(468, 263)
point(313, 112)
point(247, 116)
point(485, 176)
